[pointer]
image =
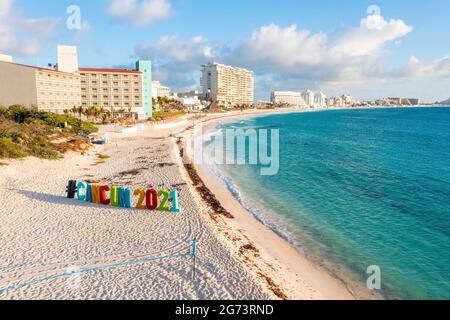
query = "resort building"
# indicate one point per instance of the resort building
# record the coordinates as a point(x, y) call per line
point(64, 86)
point(287, 97)
point(398, 102)
point(117, 89)
point(335, 102)
point(308, 96)
point(410, 102)
point(191, 103)
point(146, 68)
point(320, 100)
point(67, 59)
point(158, 90)
point(348, 100)
point(6, 58)
point(42, 88)
point(227, 85)
point(191, 94)
point(111, 88)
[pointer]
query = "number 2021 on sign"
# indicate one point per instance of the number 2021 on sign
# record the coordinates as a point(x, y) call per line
point(151, 199)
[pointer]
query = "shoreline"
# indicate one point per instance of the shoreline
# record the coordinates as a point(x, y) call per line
point(43, 233)
point(239, 258)
point(269, 257)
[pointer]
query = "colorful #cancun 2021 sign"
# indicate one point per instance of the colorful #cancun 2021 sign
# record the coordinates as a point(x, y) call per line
point(151, 199)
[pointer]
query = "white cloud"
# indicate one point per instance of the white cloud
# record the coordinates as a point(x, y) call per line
point(291, 58)
point(345, 55)
point(85, 29)
point(417, 68)
point(20, 35)
point(139, 13)
point(372, 35)
point(5, 7)
point(286, 47)
point(177, 62)
point(188, 51)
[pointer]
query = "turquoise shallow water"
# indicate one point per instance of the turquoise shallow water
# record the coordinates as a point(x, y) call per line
point(358, 188)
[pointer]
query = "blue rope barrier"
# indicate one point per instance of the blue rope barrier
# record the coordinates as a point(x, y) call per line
point(105, 267)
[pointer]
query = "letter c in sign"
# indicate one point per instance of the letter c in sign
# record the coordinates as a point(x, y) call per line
point(82, 186)
point(103, 198)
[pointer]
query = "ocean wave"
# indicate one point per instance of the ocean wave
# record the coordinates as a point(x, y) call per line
point(264, 215)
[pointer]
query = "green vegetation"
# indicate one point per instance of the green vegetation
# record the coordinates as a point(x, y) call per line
point(68, 123)
point(103, 156)
point(101, 159)
point(167, 104)
point(103, 116)
point(28, 132)
point(161, 116)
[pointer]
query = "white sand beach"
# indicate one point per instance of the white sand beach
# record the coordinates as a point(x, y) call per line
point(43, 234)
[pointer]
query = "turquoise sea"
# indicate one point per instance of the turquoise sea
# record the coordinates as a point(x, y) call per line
point(358, 188)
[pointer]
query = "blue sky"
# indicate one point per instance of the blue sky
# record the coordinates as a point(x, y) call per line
point(403, 50)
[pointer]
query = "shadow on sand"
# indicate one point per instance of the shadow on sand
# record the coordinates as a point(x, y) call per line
point(50, 198)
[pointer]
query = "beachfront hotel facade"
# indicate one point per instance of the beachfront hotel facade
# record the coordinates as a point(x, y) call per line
point(159, 90)
point(112, 89)
point(308, 96)
point(320, 99)
point(227, 85)
point(287, 97)
point(42, 88)
point(63, 86)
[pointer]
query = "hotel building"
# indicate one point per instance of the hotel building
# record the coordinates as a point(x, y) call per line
point(145, 67)
point(288, 97)
point(112, 89)
point(43, 88)
point(320, 100)
point(66, 86)
point(227, 85)
point(158, 90)
point(308, 96)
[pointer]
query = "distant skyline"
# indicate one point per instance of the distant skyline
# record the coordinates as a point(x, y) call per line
point(397, 48)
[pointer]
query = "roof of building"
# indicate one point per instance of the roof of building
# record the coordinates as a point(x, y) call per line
point(226, 66)
point(37, 68)
point(109, 70)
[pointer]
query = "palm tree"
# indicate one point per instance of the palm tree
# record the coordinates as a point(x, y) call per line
point(106, 115)
point(121, 112)
point(89, 112)
point(80, 111)
point(97, 113)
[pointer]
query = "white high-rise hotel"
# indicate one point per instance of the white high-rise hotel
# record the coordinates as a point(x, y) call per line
point(320, 100)
point(227, 85)
point(288, 97)
point(306, 98)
